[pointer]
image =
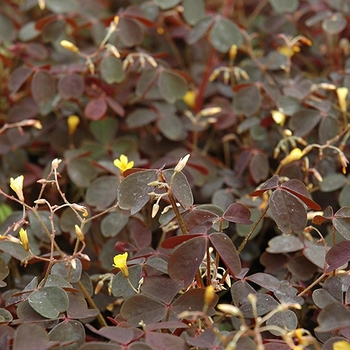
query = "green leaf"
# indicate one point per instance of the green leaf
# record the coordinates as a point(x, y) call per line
point(284, 6)
point(334, 24)
point(62, 6)
point(181, 188)
point(146, 87)
point(194, 10)
point(172, 86)
point(68, 331)
point(284, 244)
point(304, 121)
point(333, 182)
point(112, 70)
point(16, 250)
point(5, 316)
point(67, 271)
point(333, 317)
point(243, 229)
point(49, 301)
point(140, 117)
point(316, 254)
point(344, 196)
point(286, 320)
point(102, 193)
point(104, 130)
point(132, 31)
point(247, 101)
point(166, 4)
point(113, 223)
point(81, 172)
point(120, 286)
point(224, 34)
point(4, 271)
point(341, 222)
point(171, 127)
point(133, 191)
point(200, 30)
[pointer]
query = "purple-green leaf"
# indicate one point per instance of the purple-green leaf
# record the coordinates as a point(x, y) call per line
point(184, 262)
point(227, 252)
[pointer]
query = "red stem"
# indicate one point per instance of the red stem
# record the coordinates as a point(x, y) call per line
point(204, 82)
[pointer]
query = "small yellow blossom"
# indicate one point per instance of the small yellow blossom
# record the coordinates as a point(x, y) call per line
point(233, 52)
point(294, 154)
point(119, 261)
point(288, 51)
point(73, 122)
point(190, 98)
point(342, 93)
point(24, 238)
point(17, 186)
point(341, 345)
point(123, 163)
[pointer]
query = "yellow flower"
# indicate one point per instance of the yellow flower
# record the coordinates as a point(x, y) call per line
point(288, 51)
point(190, 98)
point(342, 93)
point(341, 345)
point(294, 154)
point(17, 186)
point(73, 122)
point(119, 261)
point(24, 238)
point(123, 163)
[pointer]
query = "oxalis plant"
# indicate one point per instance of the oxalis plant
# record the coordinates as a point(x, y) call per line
point(173, 174)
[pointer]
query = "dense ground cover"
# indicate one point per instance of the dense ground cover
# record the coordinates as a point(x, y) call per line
point(174, 174)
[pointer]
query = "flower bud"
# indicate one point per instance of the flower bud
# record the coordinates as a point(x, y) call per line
point(24, 238)
point(69, 46)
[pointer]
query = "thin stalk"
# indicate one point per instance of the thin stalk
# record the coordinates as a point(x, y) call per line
point(312, 284)
point(177, 213)
point(246, 239)
point(208, 266)
point(87, 296)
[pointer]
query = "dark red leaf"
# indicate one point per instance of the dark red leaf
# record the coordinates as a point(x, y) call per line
point(96, 109)
point(338, 255)
point(268, 185)
point(227, 252)
point(172, 242)
point(237, 213)
point(184, 262)
point(299, 189)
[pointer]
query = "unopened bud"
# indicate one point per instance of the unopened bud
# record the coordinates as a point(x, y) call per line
point(79, 233)
point(55, 163)
point(24, 238)
point(209, 295)
point(69, 46)
point(181, 164)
